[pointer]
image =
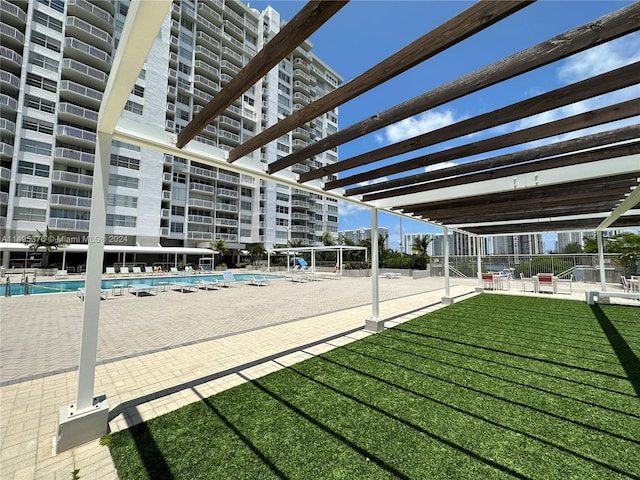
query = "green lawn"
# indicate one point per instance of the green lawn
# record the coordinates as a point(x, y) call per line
point(491, 387)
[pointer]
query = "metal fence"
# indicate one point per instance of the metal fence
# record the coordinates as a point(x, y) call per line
point(583, 267)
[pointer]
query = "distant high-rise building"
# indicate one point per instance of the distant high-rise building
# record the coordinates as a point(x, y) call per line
point(357, 235)
point(55, 61)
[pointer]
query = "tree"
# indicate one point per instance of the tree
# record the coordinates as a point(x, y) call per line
point(47, 241)
point(256, 251)
point(574, 247)
point(221, 247)
point(590, 245)
point(420, 245)
point(328, 240)
point(627, 246)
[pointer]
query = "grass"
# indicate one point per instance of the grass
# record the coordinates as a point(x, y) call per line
point(491, 387)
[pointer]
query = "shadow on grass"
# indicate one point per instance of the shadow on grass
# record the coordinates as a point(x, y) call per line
point(148, 451)
point(508, 365)
point(432, 435)
point(628, 359)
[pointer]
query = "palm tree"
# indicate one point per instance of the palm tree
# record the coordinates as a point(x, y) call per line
point(420, 245)
point(47, 241)
point(328, 240)
point(221, 247)
point(256, 251)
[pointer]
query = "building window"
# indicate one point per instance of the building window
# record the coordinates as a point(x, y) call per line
point(123, 181)
point(126, 146)
point(177, 210)
point(138, 91)
point(184, 68)
point(39, 104)
point(42, 61)
point(57, 5)
point(120, 220)
point(44, 19)
point(177, 227)
point(29, 214)
point(126, 162)
point(34, 80)
point(121, 201)
point(39, 126)
point(32, 146)
point(133, 107)
point(282, 209)
point(282, 197)
point(31, 191)
point(44, 41)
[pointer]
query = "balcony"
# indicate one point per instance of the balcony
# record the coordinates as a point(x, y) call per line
point(228, 178)
point(84, 74)
point(88, 33)
point(5, 173)
point(226, 222)
point(11, 37)
point(166, 195)
point(7, 126)
point(202, 53)
point(9, 83)
point(69, 224)
point(10, 58)
point(227, 67)
point(201, 67)
point(71, 134)
point(164, 231)
point(207, 84)
point(208, 41)
point(230, 28)
point(87, 53)
point(80, 93)
point(226, 207)
point(73, 156)
point(299, 168)
point(13, 14)
point(200, 187)
point(227, 237)
point(196, 202)
point(60, 176)
point(4, 198)
point(200, 219)
point(70, 201)
point(7, 101)
point(200, 235)
point(6, 150)
point(209, 14)
point(79, 115)
point(226, 192)
point(165, 213)
point(84, 9)
point(166, 177)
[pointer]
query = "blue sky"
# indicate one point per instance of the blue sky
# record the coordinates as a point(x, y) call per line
point(365, 32)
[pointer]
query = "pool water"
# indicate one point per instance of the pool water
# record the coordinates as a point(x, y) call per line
point(74, 285)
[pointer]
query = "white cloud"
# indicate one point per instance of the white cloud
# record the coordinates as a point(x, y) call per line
point(347, 209)
point(416, 125)
point(600, 59)
point(371, 182)
point(439, 166)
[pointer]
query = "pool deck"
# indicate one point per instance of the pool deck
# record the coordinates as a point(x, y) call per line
point(159, 353)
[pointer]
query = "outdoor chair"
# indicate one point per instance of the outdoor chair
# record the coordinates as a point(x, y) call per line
point(229, 280)
point(626, 286)
point(125, 270)
point(60, 274)
point(487, 281)
point(149, 270)
point(259, 280)
point(136, 271)
point(545, 281)
point(110, 270)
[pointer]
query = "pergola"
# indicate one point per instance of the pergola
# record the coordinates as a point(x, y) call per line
point(588, 182)
point(339, 249)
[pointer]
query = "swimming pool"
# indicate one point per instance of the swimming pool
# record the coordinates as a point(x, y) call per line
point(74, 285)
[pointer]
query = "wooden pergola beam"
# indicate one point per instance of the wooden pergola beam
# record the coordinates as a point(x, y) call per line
point(549, 226)
point(531, 194)
point(600, 116)
point(585, 89)
point(531, 166)
point(606, 28)
point(312, 16)
point(469, 22)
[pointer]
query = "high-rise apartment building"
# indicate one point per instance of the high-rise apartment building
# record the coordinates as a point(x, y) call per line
point(357, 235)
point(55, 60)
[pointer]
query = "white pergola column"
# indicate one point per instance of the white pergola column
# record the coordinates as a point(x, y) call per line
point(374, 324)
point(479, 288)
point(603, 280)
point(447, 299)
point(87, 419)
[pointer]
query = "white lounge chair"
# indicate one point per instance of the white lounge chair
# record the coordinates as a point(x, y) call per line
point(229, 280)
point(259, 280)
point(139, 288)
point(110, 270)
point(149, 270)
point(60, 274)
point(185, 286)
point(208, 284)
point(136, 271)
point(104, 293)
point(173, 270)
point(125, 271)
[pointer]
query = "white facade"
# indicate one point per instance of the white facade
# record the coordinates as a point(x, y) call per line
point(56, 58)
